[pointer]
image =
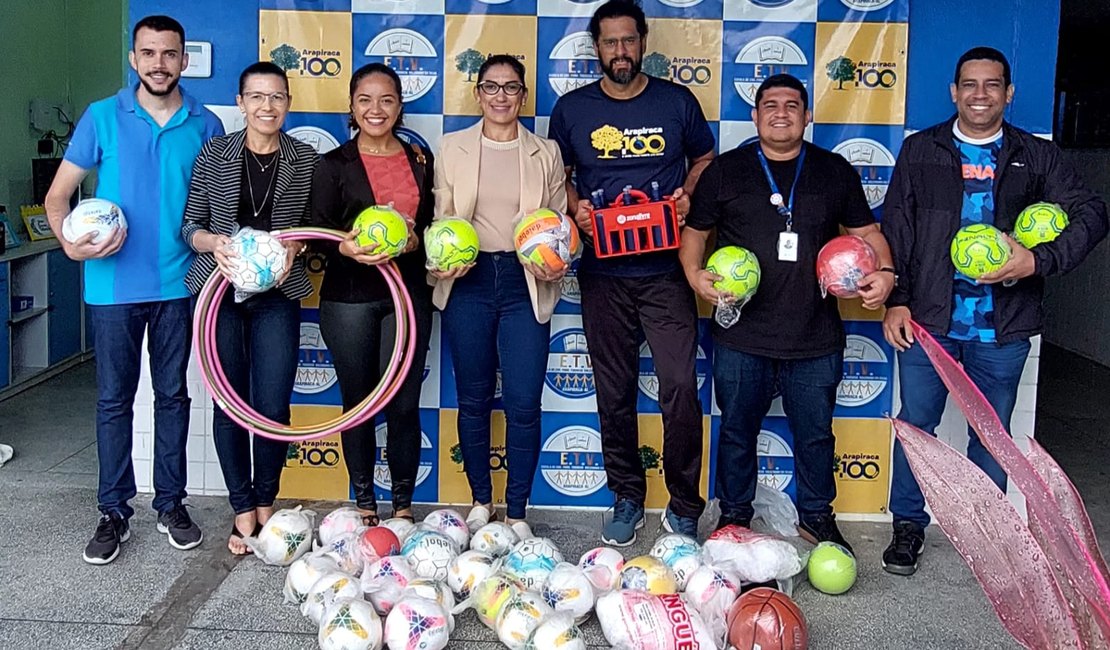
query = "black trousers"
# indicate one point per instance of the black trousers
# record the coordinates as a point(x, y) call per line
point(617, 314)
point(359, 335)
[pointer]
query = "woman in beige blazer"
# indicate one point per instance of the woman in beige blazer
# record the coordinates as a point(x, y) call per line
point(491, 174)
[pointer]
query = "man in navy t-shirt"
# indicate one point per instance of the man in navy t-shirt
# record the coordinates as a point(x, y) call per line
point(631, 129)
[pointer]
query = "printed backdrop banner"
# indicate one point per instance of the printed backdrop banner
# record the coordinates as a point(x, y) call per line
point(850, 54)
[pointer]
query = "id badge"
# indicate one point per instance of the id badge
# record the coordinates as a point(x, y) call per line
point(788, 246)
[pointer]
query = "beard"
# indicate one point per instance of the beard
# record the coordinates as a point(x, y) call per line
point(160, 93)
point(624, 76)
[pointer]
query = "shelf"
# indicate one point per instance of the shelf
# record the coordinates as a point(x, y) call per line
point(27, 249)
point(28, 314)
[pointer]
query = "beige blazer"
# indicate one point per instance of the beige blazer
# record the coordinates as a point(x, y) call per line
point(542, 185)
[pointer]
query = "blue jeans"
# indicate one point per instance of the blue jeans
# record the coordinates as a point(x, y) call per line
point(118, 336)
point(745, 385)
point(489, 315)
point(257, 341)
point(995, 369)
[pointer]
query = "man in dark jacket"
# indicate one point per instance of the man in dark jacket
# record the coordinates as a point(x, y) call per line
point(973, 168)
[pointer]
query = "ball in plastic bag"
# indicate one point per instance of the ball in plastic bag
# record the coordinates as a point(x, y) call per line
point(96, 216)
point(417, 623)
point(350, 624)
point(548, 238)
point(530, 561)
point(341, 520)
point(558, 632)
point(451, 524)
point(739, 271)
point(602, 566)
point(495, 538)
point(376, 542)
point(490, 596)
point(648, 574)
point(711, 589)
point(260, 259)
point(400, 526)
point(284, 538)
point(1040, 223)
point(329, 588)
point(304, 573)
point(680, 553)
point(568, 589)
point(450, 243)
point(979, 249)
point(467, 570)
point(766, 618)
point(429, 553)
point(831, 568)
point(344, 549)
point(432, 590)
point(384, 227)
point(842, 263)
point(519, 617)
point(384, 580)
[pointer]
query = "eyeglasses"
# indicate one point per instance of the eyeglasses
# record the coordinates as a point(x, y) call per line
point(257, 99)
point(492, 87)
point(611, 43)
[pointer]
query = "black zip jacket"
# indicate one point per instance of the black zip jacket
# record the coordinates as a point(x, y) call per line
point(922, 214)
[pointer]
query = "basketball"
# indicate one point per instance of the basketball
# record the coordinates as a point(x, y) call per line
point(766, 619)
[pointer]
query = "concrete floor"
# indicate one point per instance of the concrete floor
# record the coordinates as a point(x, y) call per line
point(156, 597)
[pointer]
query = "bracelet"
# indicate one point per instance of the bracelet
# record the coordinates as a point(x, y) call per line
point(888, 269)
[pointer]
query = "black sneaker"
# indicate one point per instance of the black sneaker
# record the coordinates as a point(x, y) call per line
point(907, 544)
point(823, 528)
point(104, 545)
point(730, 520)
point(179, 527)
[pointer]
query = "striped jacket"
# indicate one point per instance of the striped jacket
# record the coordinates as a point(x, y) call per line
point(213, 200)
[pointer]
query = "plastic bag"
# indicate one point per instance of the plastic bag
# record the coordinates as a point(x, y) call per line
point(755, 557)
point(633, 620)
point(259, 259)
point(776, 510)
point(285, 537)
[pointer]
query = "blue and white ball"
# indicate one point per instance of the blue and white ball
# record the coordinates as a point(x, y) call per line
point(259, 262)
point(680, 553)
point(96, 216)
point(429, 553)
point(530, 562)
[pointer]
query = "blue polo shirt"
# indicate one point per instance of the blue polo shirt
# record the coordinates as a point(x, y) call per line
point(145, 169)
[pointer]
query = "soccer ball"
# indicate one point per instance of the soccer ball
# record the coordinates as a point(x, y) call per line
point(548, 238)
point(303, 574)
point(429, 553)
point(450, 243)
point(648, 574)
point(285, 537)
point(344, 550)
point(259, 262)
point(350, 624)
point(495, 538)
point(558, 632)
point(432, 590)
point(567, 589)
point(417, 623)
point(519, 617)
point(710, 589)
point(339, 521)
point(384, 227)
point(377, 541)
point(97, 216)
point(842, 263)
point(329, 588)
point(490, 596)
point(680, 553)
point(979, 249)
point(530, 561)
point(467, 570)
point(739, 270)
point(384, 580)
point(451, 524)
point(602, 566)
point(1040, 223)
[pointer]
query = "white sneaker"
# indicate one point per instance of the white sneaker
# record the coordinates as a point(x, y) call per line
point(522, 530)
point(478, 516)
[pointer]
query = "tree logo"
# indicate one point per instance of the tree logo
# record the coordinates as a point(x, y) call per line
point(764, 57)
point(841, 69)
point(469, 62)
point(657, 65)
point(286, 57)
point(650, 459)
point(411, 55)
point(868, 74)
point(607, 139)
point(573, 63)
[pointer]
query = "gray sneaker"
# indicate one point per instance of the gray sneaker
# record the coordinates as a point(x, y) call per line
point(628, 517)
point(179, 527)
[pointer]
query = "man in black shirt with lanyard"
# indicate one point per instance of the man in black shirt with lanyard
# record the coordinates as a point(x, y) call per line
point(782, 199)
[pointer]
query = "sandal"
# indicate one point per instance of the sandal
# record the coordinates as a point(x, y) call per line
point(371, 520)
point(238, 535)
point(408, 518)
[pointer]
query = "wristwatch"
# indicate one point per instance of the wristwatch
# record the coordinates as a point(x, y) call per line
point(890, 270)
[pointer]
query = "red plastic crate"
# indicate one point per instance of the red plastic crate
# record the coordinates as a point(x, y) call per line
point(641, 227)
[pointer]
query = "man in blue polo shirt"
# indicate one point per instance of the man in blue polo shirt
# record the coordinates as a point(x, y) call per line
point(143, 142)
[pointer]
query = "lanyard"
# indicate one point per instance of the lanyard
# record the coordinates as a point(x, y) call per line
point(786, 210)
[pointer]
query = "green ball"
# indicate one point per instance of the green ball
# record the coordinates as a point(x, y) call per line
point(1040, 223)
point(451, 243)
point(979, 249)
point(739, 268)
point(831, 568)
point(383, 226)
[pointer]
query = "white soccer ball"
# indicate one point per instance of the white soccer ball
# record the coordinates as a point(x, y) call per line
point(711, 590)
point(530, 561)
point(603, 566)
point(467, 570)
point(495, 539)
point(96, 216)
point(490, 596)
point(429, 553)
point(568, 589)
point(344, 550)
point(303, 574)
point(259, 262)
point(350, 624)
point(680, 553)
point(432, 590)
point(519, 617)
point(452, 524)
point(384, 580)
point(557, 633)
point(341, 520)
point(285, 537)
point(417, 623)
point(329, 588)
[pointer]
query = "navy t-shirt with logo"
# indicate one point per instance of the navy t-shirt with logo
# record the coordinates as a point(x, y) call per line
point(616, 142)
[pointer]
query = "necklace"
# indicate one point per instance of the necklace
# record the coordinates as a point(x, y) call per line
point(374, 150)
point(257, 209)
point(262, 167)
